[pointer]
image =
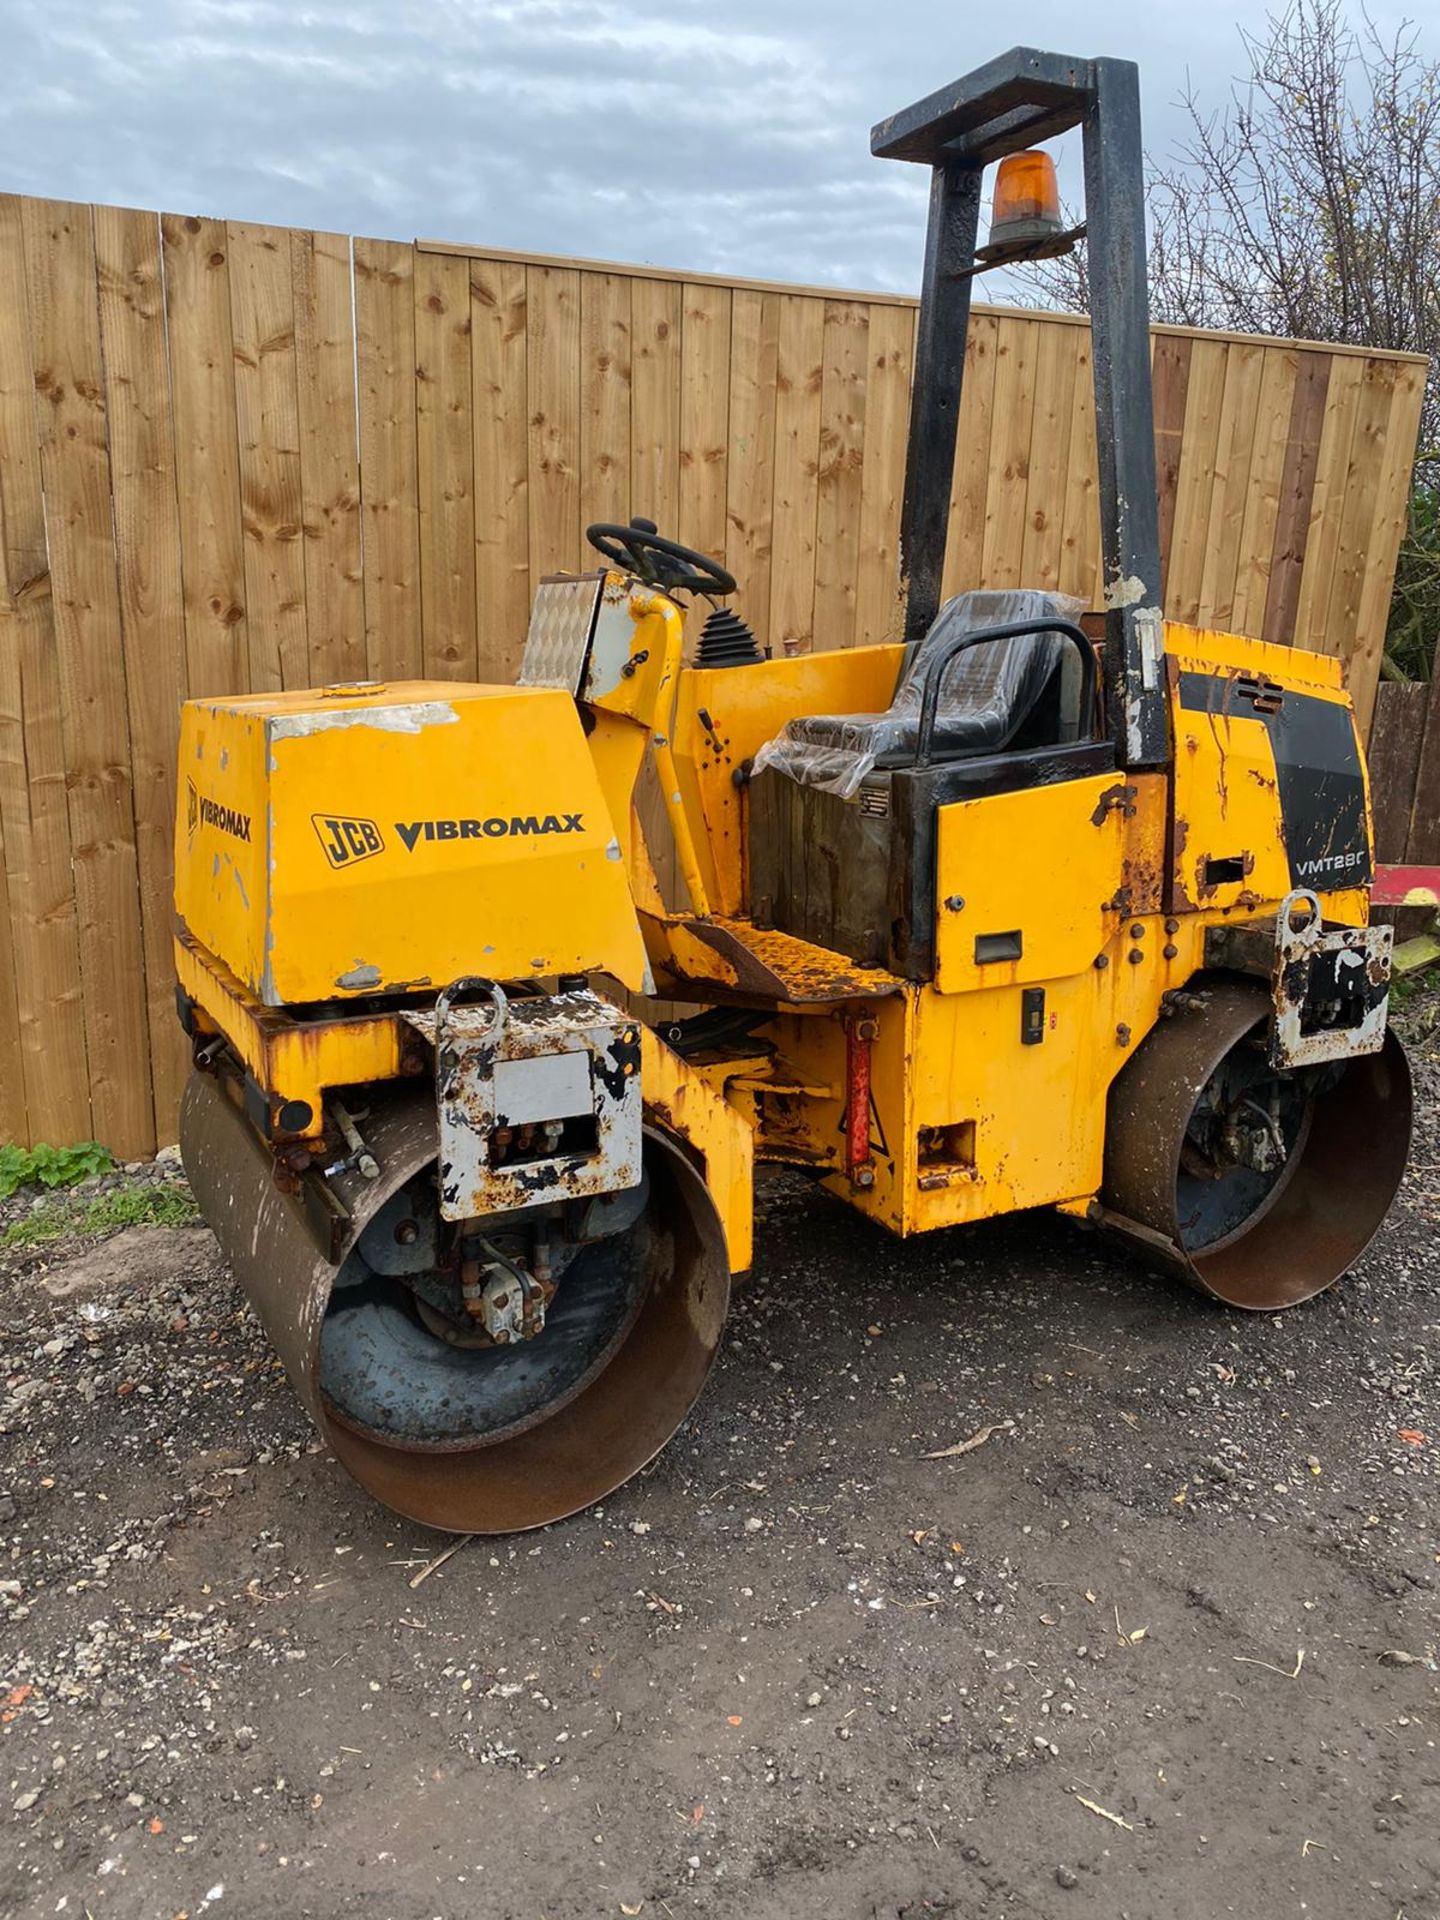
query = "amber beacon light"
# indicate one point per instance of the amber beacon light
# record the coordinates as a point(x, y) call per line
point(1026, 206)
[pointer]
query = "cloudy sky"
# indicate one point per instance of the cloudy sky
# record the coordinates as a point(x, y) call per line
point(731, 138)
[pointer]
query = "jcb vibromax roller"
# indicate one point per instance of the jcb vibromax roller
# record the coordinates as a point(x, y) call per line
point(1031, 908)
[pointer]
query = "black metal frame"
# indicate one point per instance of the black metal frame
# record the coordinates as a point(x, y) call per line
point(936, 668)
point(1020, 99)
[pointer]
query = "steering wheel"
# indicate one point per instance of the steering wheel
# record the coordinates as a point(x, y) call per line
point(643, 550)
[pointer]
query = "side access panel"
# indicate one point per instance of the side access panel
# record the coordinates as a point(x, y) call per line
point(1270, 788)
point(1031, 885)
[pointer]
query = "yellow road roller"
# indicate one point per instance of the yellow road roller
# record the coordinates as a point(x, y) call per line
point(1038, 906)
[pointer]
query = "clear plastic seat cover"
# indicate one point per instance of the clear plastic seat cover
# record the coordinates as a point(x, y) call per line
point(985, 696)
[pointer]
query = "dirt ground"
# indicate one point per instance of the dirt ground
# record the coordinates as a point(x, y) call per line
point(1164, 1644)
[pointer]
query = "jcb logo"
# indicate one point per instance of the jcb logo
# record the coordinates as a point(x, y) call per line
point(346, 839)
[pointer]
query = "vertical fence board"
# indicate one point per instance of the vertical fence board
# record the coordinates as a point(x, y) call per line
point(1337, 435)
point(604, 402)
point(799, 361)
point(1387, 530)
point(329, 456)
point(1230, 492)
point(1394, 757)
point(1422, 845)
point(750, 470)
point(14, 1125)
point(655, 325)
point(840, 482)
point(1195, 481)
point(887, 414)
point(262, 308)
point(553, 373)
point(500, 411)
point(75, 469)
point(1009, 464)
point(207, 459)
point(704, 417)
point(970, 478)
point(389, 462)
point(445, 464)
point(1048, 457)
point(14, 796)
point(500, 416)
point(42, 934)
point(1169, 388)
point(1262, 494)
point(1297, 489)
point(1080, 545)
point(1354, 514)
point(151, 598)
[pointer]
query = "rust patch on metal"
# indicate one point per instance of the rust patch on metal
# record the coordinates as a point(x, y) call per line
point(777, 966)
point(1117, 799)
point(1208, 888)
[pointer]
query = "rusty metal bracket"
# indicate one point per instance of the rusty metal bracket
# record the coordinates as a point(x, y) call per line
point(538, 1098)
point(1329, 986)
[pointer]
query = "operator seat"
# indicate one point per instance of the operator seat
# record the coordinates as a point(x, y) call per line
point(843, 809)
point(987, 695)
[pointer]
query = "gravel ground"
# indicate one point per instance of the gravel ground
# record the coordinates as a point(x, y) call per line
point(1164, 1643)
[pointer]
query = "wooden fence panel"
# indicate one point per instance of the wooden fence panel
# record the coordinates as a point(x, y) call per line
point(604, 398)
point(800, 362)
point(1007, 460)
point(1332, 465)
point(34, 817)
point(1422, 847)
point(750, 474)
point(389, 458)
point(500, 414)
point(655, 325)
point(1297, 487)
point(1396, 742)
point(207, 456)
point(445, 457)
point(1080, 547)
point(970, 479)
point(1195, 480)
point(840, 482)
point(262, 317)
point(704, 416)
point(75, 473)
point(152, 610)
point(1169, 396)
point(1262, 494)
point(1051, 424)
point(553, 374)
point(236, 456)
point(1230, 488)
point(1362, 649)
point(329, 456)
point(887, 415)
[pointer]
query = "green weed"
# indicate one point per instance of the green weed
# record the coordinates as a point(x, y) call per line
point(139, 1206)
point(51, 1166)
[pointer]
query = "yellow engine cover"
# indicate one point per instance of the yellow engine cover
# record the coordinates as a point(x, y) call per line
point(358, 840)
